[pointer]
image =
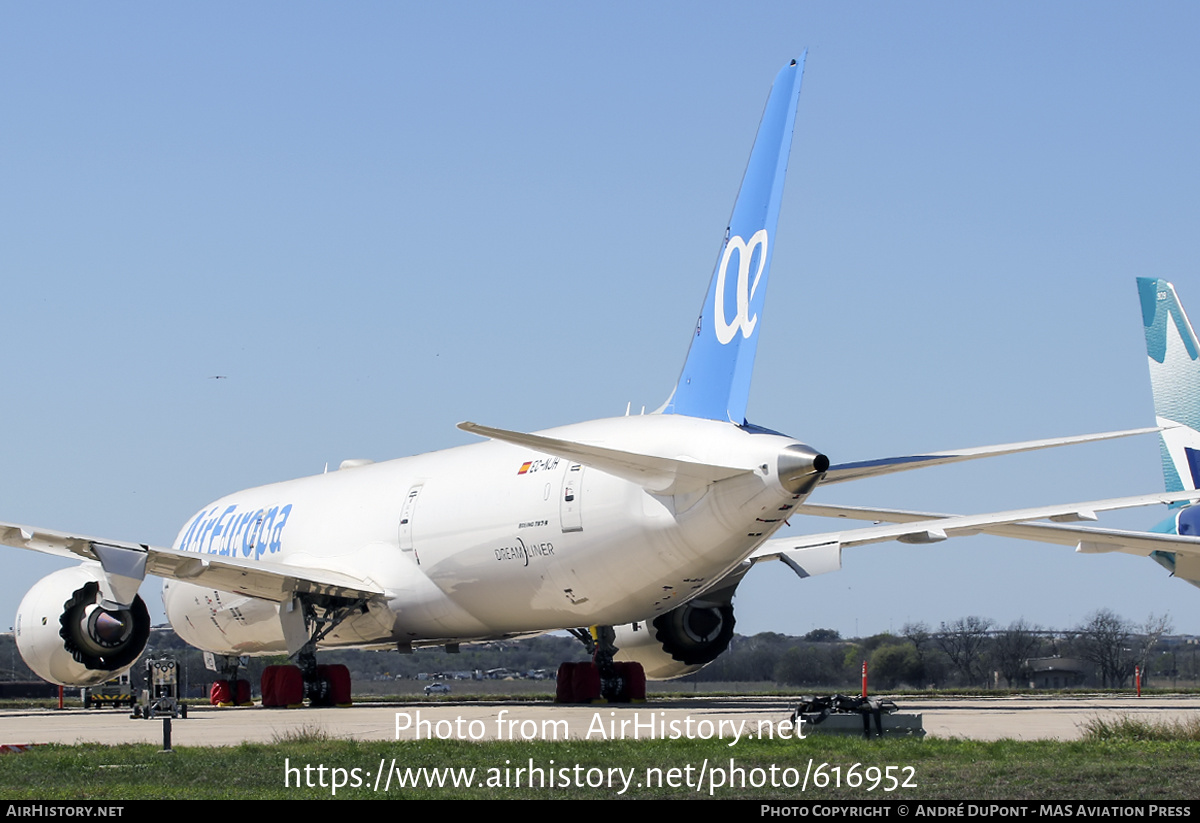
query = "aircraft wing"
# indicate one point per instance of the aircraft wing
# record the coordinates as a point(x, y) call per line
point(277, 582)
point(814, 554)
point(887, 465)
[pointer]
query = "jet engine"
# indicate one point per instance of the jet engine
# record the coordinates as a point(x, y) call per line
point(68, 636)
point(678, 642)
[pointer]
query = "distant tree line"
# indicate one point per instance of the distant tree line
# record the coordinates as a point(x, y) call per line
point(968, 652)
point(971, 652)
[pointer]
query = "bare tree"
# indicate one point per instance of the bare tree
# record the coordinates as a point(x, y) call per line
point(922, 639)
point(1012, 648)
point(964, 641)
point(1151, 632)
point(1104, 640)
point(918, 634)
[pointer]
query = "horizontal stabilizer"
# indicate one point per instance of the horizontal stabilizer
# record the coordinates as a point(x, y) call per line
point(1094, 540)
point(1087, 539)
point(888, 465)
point(919, 527)
point(658, 475)
point(801, 556)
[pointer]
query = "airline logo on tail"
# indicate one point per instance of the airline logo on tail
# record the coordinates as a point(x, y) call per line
point(1160, 306)
point(745, 291)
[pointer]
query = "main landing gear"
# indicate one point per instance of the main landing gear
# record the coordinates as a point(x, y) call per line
point(603, 680)
point(229, 689)
point(288, 686)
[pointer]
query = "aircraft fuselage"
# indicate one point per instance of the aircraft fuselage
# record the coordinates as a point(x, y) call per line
point(494, 539)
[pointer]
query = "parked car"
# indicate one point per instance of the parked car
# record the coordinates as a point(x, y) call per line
point(437, 688)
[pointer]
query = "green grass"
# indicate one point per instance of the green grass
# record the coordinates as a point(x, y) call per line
point(1118, 765)
point(1133, 728)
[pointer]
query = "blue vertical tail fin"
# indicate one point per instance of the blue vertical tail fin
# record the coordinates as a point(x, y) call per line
point(715, 382)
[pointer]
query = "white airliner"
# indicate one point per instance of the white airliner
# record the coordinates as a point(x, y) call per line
point(639, 526)
point(1173, 352)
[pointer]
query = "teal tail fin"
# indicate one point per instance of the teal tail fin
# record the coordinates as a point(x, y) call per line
point(1174, 356)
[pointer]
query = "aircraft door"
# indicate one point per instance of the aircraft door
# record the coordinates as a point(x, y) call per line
point(570, 508)
point(406, 517)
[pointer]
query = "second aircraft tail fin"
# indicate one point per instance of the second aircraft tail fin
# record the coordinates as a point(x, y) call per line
point(1174, 357)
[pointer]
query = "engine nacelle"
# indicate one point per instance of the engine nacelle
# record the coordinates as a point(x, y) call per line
point(679, 642)
point(68, 638)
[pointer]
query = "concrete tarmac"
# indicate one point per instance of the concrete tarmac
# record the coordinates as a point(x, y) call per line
point(1018, 718)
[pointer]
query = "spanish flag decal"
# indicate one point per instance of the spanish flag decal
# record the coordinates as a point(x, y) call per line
point(525, 467)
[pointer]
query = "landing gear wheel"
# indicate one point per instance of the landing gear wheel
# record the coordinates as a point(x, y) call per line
point(604, 680)
point(585, 684)
point(267, 685)
point(337, 680)
point(564, 691)
point(282, 686)
point(633, 678)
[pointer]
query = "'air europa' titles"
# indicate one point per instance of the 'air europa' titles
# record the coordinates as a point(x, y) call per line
point(233, 533)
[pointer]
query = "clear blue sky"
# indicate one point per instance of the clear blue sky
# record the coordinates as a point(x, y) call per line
point(378, 219)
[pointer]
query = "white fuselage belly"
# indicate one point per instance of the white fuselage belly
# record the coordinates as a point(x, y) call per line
point(490, 539)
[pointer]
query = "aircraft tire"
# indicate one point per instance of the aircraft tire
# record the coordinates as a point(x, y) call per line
point(338, 678)
point(282, 686)
point(267, 685)
point(634, 679)
point(563, 692)
point(585, 683)
point(289, 686)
